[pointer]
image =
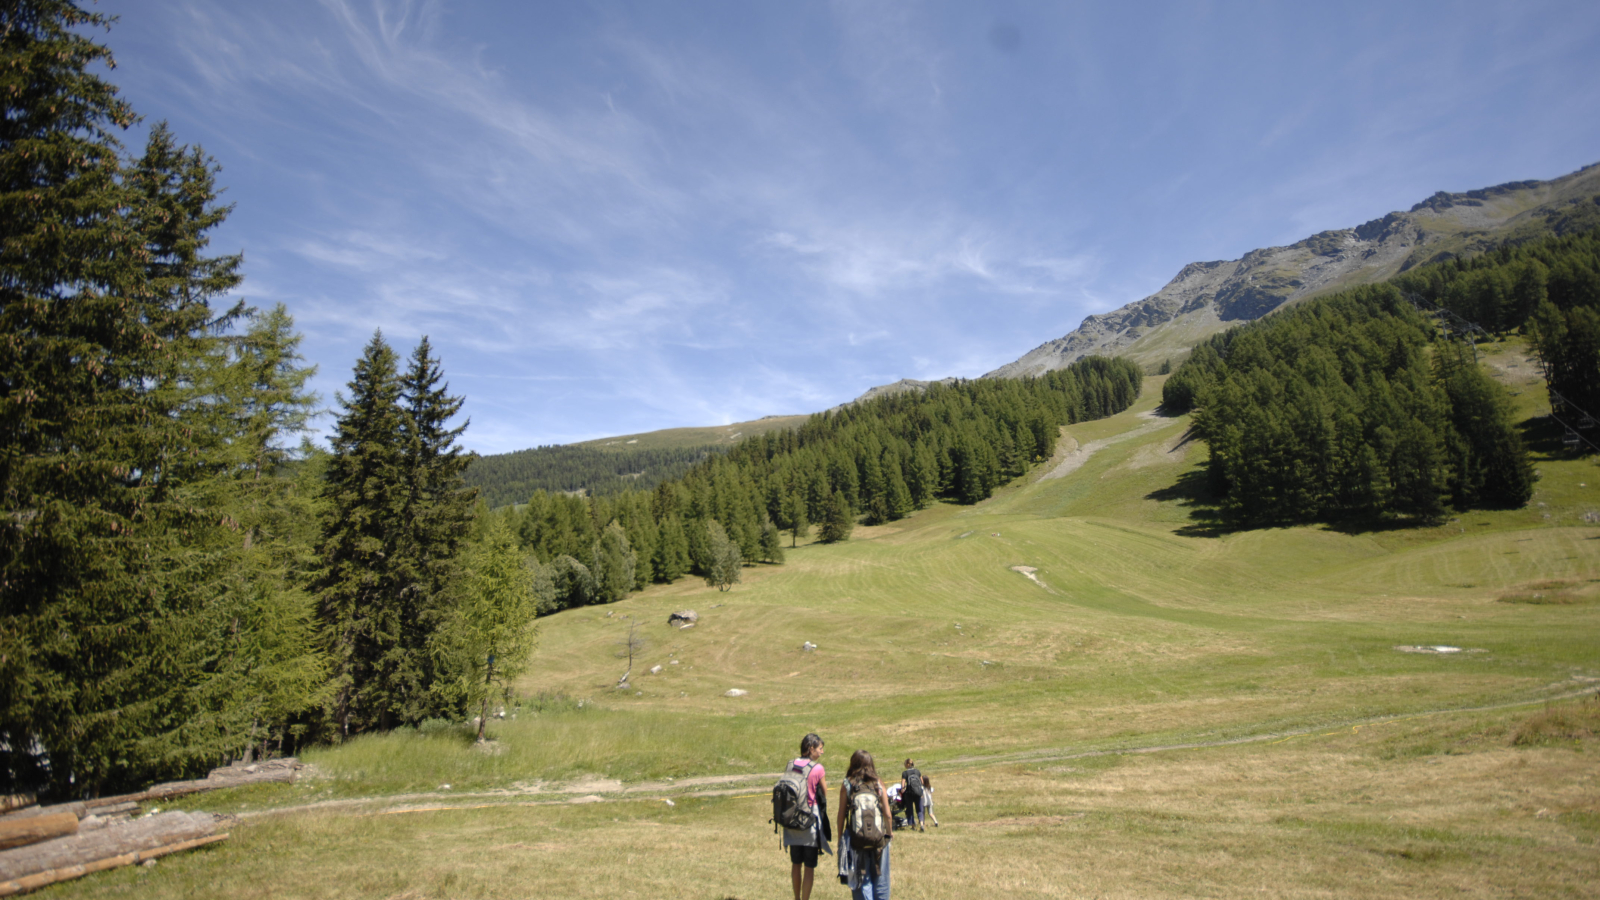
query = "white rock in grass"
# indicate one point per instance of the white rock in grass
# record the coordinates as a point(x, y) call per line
point(735, 692)
point(655, 670)
point(808, 646)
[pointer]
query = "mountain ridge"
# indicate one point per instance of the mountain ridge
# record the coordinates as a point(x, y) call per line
point(1207, 297)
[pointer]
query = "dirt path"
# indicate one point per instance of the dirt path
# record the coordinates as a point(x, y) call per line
point(1080, 453)
point(606, 790)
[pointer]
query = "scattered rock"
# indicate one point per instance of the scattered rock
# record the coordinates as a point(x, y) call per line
point(655, 670)
point(683, 627)
point(672, 662)
point(683, 617)
point(735, 692)
point(151, 863)
point(669, 803)
point(624, 686)
point(444, 787)
point(1027, 572)
point(808, 646)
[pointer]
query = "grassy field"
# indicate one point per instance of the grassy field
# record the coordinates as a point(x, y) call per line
point(1164, 709)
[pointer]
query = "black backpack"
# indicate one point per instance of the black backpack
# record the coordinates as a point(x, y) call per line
point(913, 784)
point(790, 806)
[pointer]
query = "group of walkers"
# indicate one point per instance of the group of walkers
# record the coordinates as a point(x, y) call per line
point(865, 822)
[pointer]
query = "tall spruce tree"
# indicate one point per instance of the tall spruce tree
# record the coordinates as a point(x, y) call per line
point(361, 595)
point(437, 517)
point(105, 304)
point(837, 522)
point(398, 512)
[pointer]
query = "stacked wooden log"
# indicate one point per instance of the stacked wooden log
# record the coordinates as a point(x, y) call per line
point(42, 845)
point(82, 848)
point(236, 775)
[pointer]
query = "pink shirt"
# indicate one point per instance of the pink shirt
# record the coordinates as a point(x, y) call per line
point(812, 780)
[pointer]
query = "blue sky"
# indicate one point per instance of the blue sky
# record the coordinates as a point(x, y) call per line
point(619, 217)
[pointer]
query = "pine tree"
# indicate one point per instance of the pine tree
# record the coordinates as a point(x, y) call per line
point(839, 522)
point(360, 591)
point(105, 309)
point(771, 543)
point(672, 551)
point(725, 558)
point(438, 518)
point(799, 524)
point(613, 566)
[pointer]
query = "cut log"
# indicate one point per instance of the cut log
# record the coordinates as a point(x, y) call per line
point(51, 876)
point(33, 829)
point(273, 770)
point(12, 802)
point(118, 839)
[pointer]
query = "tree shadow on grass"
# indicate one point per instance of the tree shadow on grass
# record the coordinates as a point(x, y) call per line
point(1193, 491)
point(1542, 436)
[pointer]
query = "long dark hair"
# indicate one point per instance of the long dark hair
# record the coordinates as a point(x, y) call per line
point(862, 770)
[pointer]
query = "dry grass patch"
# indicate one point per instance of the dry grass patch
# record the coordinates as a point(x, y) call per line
point(1549, 593)
point(1561, 723)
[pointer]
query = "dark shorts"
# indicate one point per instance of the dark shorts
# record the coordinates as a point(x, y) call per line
point(803, 856)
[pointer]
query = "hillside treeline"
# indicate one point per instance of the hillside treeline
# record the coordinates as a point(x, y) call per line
point(1548, 288)
point(876, 462)
point(1345, 405)
point(182, 582)
point(508, 478)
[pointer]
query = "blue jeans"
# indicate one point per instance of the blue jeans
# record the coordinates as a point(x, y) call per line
point(875, 881)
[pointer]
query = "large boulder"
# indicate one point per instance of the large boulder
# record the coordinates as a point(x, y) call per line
point(683, 617)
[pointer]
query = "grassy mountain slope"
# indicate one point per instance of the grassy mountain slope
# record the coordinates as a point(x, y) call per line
point(1207, 297)
point(711, 436)
point(1166, 712)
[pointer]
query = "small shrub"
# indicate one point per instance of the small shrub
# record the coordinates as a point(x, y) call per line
point(545, 702)
point(1561, 724)
point(444, 728)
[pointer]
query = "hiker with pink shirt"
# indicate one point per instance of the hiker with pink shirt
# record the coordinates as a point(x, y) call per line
point(805, 845)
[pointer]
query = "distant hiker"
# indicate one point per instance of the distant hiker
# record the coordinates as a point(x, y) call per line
point(865, 828)
point(800, 798)
point(914, 787)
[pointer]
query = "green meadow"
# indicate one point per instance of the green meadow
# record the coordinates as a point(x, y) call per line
point(1115, 696)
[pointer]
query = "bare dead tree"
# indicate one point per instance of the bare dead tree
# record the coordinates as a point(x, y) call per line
point(630, 647)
